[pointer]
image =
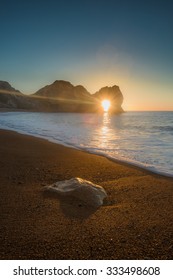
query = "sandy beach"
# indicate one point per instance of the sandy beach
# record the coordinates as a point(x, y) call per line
point(135, 221)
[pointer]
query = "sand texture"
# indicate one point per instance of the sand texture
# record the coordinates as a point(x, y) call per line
point(135, 222)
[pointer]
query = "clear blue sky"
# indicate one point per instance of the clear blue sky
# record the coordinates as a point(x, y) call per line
point(93, 43)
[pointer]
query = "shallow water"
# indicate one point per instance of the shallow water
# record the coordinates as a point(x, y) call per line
point(141, 138)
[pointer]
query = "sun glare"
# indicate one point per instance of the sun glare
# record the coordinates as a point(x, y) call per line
point(106, 105)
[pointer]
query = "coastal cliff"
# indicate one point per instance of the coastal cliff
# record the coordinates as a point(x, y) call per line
point(114, 95)
point(5, 86)
point(60, 96)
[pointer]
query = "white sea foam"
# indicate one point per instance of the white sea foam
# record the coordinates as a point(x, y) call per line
point(144, 139)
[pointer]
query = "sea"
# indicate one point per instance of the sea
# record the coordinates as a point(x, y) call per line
point(143, 139)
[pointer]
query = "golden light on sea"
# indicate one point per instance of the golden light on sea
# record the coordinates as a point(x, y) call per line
point(106, 105)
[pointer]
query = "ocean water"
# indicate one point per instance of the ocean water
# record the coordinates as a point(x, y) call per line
point(144, 139)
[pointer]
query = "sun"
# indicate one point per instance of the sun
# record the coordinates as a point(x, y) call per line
point(106, 105)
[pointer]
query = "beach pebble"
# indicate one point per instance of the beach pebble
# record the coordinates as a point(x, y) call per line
point(86, 191)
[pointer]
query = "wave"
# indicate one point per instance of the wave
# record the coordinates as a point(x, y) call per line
point(139, 139)
point(163, 128)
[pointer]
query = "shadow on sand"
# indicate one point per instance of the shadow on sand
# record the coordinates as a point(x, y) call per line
point(71, 207)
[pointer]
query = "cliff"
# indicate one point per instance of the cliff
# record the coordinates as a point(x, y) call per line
point(61, 96)
point(63, 89)
point(5, 86)
point(114, 95)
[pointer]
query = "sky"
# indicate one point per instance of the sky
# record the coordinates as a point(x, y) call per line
point(93, 43)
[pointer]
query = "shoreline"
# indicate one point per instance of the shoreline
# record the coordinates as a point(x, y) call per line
point(130, 164)
point(135, 221)
point(118, 161)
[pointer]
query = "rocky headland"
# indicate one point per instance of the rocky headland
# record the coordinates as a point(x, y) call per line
point(60, 96)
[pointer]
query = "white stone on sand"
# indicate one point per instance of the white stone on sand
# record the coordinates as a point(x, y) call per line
point(81, 189)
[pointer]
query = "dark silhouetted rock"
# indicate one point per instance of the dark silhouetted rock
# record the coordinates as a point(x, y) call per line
point(60, 96)
point(5, 86)
point(69, 98)
point(64, 90)
point(9, 96)
point(114, 95)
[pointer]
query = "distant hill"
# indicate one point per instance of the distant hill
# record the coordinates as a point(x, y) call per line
point(5, 86)
point(9, 96)
point(60, 96)
point(63, 89)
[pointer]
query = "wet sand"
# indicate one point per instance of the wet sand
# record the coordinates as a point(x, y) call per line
point(135, 221)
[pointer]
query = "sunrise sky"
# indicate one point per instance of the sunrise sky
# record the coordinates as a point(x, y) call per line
point(93, 43)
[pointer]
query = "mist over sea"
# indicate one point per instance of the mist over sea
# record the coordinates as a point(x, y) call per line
point(141, 138)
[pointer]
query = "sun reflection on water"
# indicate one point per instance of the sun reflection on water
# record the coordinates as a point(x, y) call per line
point(105, 131)
point(106, 122)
